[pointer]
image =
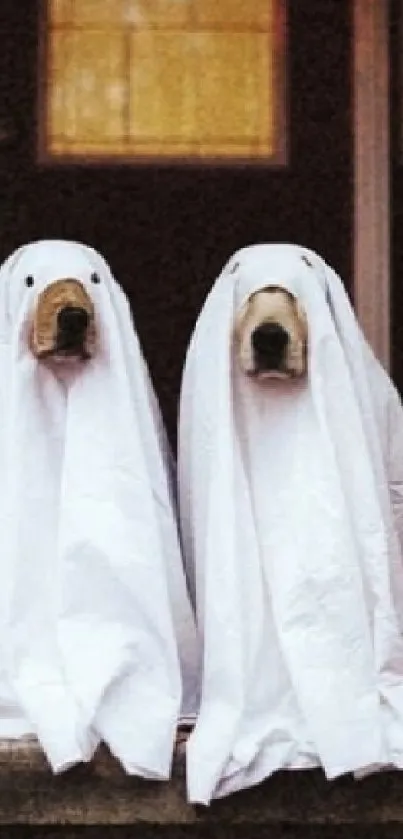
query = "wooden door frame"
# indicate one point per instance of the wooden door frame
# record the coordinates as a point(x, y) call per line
point(371, 173)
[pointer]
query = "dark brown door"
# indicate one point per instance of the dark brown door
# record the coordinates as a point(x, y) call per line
point(167, 229)
point(396, 124)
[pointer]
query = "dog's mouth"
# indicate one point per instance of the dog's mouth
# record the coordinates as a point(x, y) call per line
point(277, 373)
point(65, 354)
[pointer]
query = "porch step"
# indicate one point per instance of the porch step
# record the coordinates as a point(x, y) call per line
point(100, 795)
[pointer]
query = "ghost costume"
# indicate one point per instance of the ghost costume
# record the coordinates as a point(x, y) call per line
point(291, 504)
point(97, 636)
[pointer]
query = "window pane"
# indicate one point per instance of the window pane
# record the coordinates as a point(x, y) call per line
point(163, 78)
point(88, 91)
point(227, 13)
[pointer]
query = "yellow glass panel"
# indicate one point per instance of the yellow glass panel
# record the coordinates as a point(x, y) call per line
point(164, 149)
point(154, 149)
point(227, 13)
point(57, 116)
point(70, 148)
point(94, 13)
point(213, 92)
point(162, 88)
point(138, 13)
point(88, 90)
point(162, 78)
point(159, 13)
point(200, 150)
point(59, 11)
point(235, 71)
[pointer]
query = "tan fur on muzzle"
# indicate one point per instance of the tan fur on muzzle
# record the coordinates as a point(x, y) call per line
point(55, 297)
point(277, 307)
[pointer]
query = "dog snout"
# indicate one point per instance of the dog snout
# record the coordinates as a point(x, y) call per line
point(72, 320)
point(269, 341)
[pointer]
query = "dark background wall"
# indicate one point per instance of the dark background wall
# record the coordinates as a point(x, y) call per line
point(167, 230)
point(396, 151)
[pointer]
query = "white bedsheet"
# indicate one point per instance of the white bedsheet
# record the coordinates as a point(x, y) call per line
point(97, 636)
point(291, 512)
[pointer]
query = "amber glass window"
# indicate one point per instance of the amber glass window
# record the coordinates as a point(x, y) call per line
point(140, 79)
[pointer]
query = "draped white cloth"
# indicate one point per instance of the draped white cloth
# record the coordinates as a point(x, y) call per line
point(97, 635)
point(291, 500)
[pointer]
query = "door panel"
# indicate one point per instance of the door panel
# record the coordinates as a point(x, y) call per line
point(168, 229)
point(396, 125)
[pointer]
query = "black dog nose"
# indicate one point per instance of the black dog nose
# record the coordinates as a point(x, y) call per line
point(72, 319)
point(269, 339)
